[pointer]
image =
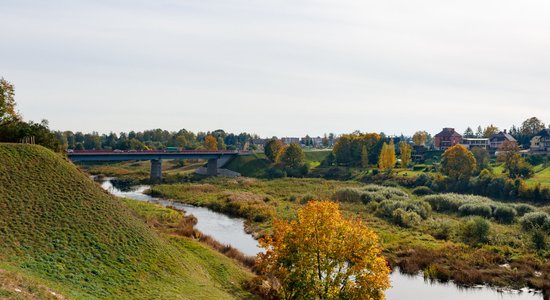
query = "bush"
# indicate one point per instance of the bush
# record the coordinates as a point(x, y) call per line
point(390, 183)
point(274, 172)
point(505, 214)
point(522, 209)
point(475, 209)
point(423, 180)
point(535, 220)
point(386, 208)
point(306, 198)
point(405, 218)
point(422, 191)
point(348, 195)
point(538, 238)
point(441, 229)
point(368, 194)
point(475, 231)
point(452, 202)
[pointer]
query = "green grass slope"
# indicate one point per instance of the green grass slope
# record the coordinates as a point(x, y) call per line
point(59, 227)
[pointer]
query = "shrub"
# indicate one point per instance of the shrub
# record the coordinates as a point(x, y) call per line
point(368, 194)
point(405, 218)
point(534, 220)
point(538, 238)
point(423, 180)
point(475, 209)
point(306, 198)
point(452, 202)
point(422, 191)
point(522, 209)
point(386, 208)
point(348, 195)
point(275, 173)
point(505, 214)
point(475, 231)
point(390, 183)
point(441, 229)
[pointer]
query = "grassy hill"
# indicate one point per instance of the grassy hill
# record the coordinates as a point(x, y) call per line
point(61, 230)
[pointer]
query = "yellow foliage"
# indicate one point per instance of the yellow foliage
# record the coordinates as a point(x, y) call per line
point(322, 255)
point(210, 143)
point(458, 162)
point(406, 152)
point(387, 158)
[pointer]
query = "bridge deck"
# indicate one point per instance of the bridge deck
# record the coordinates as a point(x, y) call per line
point(119, 155)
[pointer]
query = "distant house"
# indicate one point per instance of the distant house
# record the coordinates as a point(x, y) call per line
point(259, 143)
point(290, 140)
point(541, 142)
point(497, 139)
point(476, 142)
point(447, 138)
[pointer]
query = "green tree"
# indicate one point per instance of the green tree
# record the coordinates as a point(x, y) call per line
point(514, 164)
point(322, 255)
point(479, 132)
point(292, 156)
point(469, 133)
point(273, 148)
point(458, 163)
point(7, 103)
point(406, 153)
point(482, 158)
point(531, 127)
point(364, 157)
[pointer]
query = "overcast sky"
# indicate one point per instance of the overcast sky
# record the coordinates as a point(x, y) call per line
point(282, 68)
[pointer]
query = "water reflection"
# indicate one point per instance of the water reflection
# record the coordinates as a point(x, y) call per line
point(224, 229)
point(415, 287)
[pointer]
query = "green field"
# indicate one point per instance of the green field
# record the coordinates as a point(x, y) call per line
point(60, 232)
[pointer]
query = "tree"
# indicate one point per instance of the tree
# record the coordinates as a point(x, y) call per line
point(273, 148)
point(322, 255)
point(479, 132)
point(210, 143)
point(458, 163)
point(514, 164)
point(7, 102)
point(489, 131)
point(482, 158)
point(420, 138)
point(364, 157)
point(406, 153)
point(531, 127)
point(469, 133)
point(292, 156)
point(387, 156)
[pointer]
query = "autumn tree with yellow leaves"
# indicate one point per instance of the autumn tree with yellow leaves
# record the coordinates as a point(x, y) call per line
point(406, 153)
point(210, 143)
point(387, 158)
point(458, 163)
point(322, 255)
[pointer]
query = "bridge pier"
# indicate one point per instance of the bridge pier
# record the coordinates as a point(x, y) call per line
point(156, 169)
point(212, 167)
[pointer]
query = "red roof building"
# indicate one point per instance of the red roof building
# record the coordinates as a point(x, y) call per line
point(447, 138)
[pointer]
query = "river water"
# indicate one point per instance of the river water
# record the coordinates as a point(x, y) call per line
point(231, 231)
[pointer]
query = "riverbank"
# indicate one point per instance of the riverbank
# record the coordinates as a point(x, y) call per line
point(433, 245)
point(404, 286)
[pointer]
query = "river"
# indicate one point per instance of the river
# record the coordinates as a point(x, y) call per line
point(231, 231)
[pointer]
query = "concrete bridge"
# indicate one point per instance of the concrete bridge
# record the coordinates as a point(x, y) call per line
point(156, 156)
